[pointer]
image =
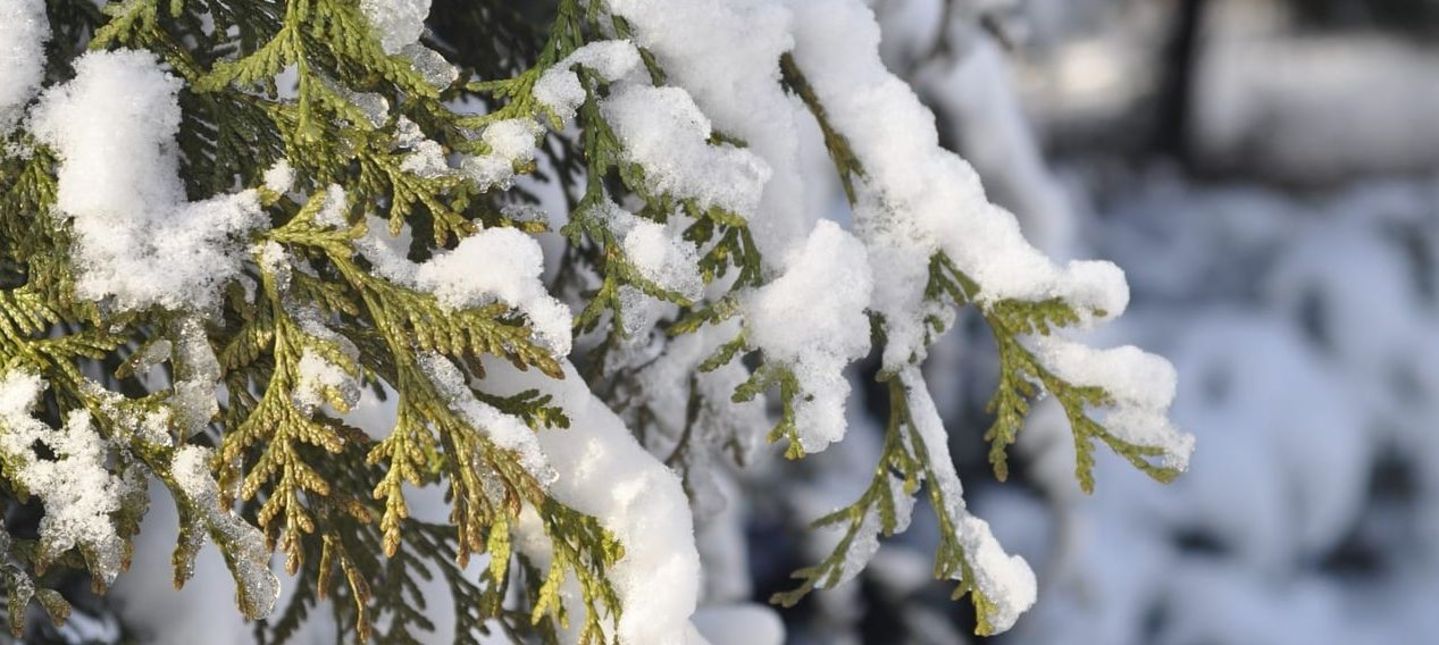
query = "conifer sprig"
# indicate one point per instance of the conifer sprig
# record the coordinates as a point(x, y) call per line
point(313, 296)
point(1022, 376)
point(363, 165)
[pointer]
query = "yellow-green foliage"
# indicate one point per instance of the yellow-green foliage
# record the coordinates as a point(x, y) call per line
point(327, 496)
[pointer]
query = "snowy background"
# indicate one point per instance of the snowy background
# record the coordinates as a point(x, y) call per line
point(1267, 174)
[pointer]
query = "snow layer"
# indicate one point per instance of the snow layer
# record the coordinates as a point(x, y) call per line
point(973, 95)
point(280, 177)
point(865, 544)
point(1142, 385)
point(76, 489)
point(321, 380)
point(197, 374)
point(203, 611)
point(608, 475)
point(559, 87)
point(496, 264)
point(511, 142)
point(812, 320)
point(23, 33)
point(427, 157)
point(659, 252)
point(1006, 580)
point(431, 65)
point(251, 563)
point(925, 199)
point(664, 131)
point(506, 431)
point(726, 56)
point(138, 240)
point(317, 375)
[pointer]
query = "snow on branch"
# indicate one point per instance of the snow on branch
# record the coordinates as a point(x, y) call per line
point(274, 219)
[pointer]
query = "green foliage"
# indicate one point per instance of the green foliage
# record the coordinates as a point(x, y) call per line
point(840, 153)
point(595, 267)
point(904, 465)
point(904, 458)
point(1022, 377)
point(328, 496)
point(325, 494)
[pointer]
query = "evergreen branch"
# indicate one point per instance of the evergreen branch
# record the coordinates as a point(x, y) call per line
point(840, 153)
point(883, 510)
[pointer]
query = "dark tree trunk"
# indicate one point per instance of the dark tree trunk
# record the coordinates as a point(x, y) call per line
point(1176, 92)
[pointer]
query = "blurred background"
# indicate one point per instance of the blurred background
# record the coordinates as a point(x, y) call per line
point(1267, 174)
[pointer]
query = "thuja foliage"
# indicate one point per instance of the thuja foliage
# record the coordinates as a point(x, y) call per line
point(307, 89)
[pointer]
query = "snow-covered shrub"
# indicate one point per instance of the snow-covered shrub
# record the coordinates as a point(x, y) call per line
point(227, 227)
